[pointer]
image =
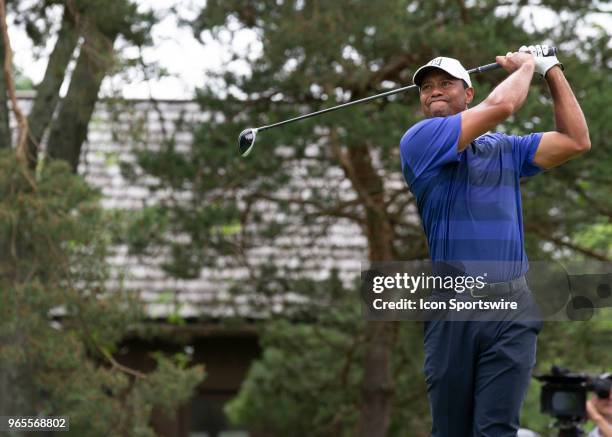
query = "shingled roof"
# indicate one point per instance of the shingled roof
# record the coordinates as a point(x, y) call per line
point(110, 142)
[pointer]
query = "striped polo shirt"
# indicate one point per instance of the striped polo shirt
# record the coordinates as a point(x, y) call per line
point(470, 201)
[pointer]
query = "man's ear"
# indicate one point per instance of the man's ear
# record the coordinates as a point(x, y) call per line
point(469, 95)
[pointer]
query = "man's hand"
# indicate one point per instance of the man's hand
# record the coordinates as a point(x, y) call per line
point(543, 61)
point(592, 412)
point(513, 61)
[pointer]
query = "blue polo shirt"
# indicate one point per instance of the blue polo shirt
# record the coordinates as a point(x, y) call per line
point(470, 201)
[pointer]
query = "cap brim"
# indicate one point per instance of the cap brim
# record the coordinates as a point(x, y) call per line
point(417, 79)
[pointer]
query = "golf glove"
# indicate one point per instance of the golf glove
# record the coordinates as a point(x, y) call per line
point(543, 60)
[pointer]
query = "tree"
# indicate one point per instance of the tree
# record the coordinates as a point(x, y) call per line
point(59, 324)
point(88, 29)
point(344, 167)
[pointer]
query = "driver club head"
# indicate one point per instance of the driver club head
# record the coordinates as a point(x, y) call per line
point(246, 140)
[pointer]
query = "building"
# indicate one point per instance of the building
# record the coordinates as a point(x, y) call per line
point(118, 130)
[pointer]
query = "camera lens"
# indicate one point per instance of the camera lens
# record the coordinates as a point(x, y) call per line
point(565, 401)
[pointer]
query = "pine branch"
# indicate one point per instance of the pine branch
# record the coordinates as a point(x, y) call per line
point(596, 205)
point(64, 264)
point(322, 210)
point(559, 242)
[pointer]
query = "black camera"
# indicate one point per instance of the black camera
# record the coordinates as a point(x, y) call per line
point(564, 396)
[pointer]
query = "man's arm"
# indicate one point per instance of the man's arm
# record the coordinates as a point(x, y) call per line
point(605, 429)
point(504, 100)
point(571, 137)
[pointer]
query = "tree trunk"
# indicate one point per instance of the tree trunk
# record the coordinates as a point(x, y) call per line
point(69, 131)
point(47, 92)
point(5, 132)
point(377, 385)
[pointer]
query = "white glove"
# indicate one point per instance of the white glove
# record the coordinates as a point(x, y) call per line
point(543, 63)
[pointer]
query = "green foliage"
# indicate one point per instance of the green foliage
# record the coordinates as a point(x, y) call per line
point(306, 383)
point(597, 236)
point(58, 325)
point(22, 82)
point(308, 380)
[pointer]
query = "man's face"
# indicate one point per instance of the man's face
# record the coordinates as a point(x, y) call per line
point(442, 94)
point(604, 406)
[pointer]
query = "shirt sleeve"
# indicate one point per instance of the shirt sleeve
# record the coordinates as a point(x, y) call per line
point(594, 432)
point(523, 151)
point(430, 144)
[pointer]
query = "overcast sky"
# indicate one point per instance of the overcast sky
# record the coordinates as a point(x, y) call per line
point(182, 55)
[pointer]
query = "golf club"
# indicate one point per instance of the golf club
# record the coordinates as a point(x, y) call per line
point(246, 139)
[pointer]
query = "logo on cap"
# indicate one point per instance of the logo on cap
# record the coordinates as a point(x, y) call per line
point(436, 61)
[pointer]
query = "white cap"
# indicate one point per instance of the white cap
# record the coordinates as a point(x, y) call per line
point(450, 65)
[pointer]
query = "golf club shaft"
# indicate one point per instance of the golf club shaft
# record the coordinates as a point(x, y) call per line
point(480, 69)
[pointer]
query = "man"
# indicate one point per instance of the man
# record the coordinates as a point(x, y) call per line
point(600, 412)
point(466, 183)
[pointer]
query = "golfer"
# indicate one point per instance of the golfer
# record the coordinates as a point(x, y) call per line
point(466, 183)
